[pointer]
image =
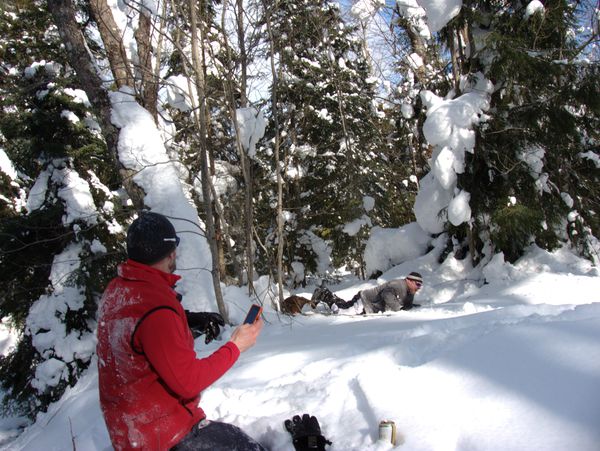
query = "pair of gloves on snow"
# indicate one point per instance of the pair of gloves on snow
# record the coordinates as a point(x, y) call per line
point(205, 323)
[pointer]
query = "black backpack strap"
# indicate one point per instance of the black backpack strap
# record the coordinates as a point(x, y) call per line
point(144, 316)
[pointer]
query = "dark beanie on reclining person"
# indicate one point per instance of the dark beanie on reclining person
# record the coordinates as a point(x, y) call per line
point(150, 238)
point(415, 276)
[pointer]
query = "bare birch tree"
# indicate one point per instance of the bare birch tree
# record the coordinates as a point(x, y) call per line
point(280, 236)
point(243, 156)
point(198, 61)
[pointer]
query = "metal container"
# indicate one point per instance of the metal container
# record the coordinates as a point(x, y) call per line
point(387, 431)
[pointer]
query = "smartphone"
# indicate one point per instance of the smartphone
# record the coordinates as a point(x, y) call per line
point(253, 314)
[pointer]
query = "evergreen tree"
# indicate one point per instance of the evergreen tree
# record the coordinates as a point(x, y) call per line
point(332, 146)
point(58, 249)
point(528, 177)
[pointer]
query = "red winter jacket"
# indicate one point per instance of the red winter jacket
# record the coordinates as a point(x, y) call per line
point(150, 378)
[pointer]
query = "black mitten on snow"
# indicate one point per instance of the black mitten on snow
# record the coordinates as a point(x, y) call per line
point(306, 433)
point(206, 323)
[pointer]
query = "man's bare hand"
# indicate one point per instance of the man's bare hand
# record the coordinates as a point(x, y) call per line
point(244, 337)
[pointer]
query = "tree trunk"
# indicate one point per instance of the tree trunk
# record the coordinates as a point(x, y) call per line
point(246, 163)
point(222, 226)
point(200, 118)
point(243, 55)
point(113, 43)
point(280, 237)
point(418, 46)
point(454, 45)
point(63, 13)
point(244, 160)
point(149, 82)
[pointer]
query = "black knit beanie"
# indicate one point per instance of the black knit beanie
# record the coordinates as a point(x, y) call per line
point(415, 276)
point(150, 238)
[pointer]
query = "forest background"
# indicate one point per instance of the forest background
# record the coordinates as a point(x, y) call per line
point(292, 132)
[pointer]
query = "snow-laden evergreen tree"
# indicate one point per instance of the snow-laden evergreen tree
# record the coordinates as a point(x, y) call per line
point(336, 176)
point(515, 164)
point(533, 177)
point(420, 66)
point(58, 232)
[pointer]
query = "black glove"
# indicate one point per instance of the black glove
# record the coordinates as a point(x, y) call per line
point(206, 323)
point(408, 302)
point(306, 433)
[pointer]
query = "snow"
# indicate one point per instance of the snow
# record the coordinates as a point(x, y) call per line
point(364, 10)
point(76, 195)
point(73, 190)
point(430, 201)
point(534, 158)
point(70, 116)
point(407, 110)
point(176, 92)
point(411, 10)
point(594, 157)
point(567, 199)
point(141, 149)
point(532, 8)
point(6, 166)
point(52, 68)
point(46, 322)
point(49, 373)
point(388, 247)
point(324, 114)
point(457, 372)
point(298, 272)
point(429, 16)
point(459, 210)
point(150, 6)
point(126, 19)
point(223, 180)
point(8, 340)
point(37, 193)
point(353, 227)
point(414, 60)
point(368, 203)
point(513, 364)
point(449, 129)
point(319, 247)
point(251, 126)
point(78, 95)
point(440, 12)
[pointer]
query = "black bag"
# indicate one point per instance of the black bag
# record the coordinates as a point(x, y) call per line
point(206, 323)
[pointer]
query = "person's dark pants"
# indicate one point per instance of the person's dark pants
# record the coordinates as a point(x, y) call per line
point(217, 436)
point(350, 303)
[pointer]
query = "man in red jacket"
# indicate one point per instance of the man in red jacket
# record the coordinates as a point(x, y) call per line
point(150, 379)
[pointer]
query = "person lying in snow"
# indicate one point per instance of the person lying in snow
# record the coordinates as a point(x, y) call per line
point(395, 295)
point(149, 376)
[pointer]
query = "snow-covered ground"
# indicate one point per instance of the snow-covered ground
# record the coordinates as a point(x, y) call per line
point(513, 364)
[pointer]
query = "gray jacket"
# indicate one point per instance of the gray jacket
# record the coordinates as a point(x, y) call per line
point(392, 295)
